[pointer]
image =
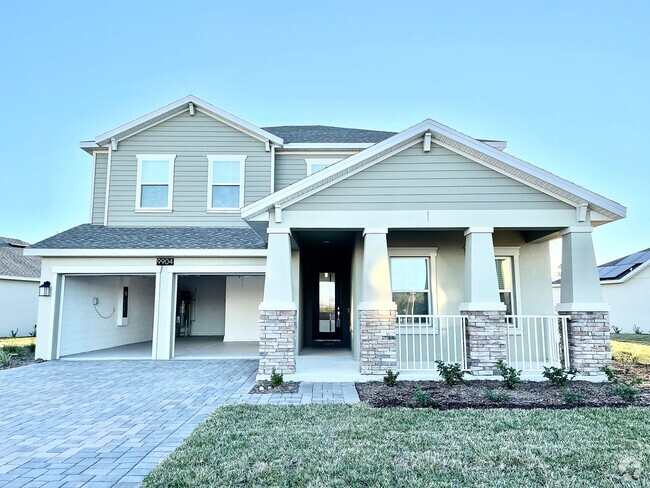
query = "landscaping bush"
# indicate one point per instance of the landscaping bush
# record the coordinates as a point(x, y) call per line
point(496, 397)
point(637, 329)
point(616, 330)
point(559, 376)
point(511, 376)
point(276, 378)
point(622, 386)
point(12, 349)
point(573, 397)
point(5, 357)
point(422, 398)
point(391, 378)
point(452, 373)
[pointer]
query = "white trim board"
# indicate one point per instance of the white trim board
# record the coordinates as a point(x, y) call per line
point(446, 137)
point(145, 252)
point(19, 278)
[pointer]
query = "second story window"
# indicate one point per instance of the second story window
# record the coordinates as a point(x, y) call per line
point(226, 183)
point(316, 165)
point(155, 182)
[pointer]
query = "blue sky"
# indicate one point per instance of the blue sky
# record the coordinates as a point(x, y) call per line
point(565, 83)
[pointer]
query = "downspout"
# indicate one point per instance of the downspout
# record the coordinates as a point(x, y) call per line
point(92, 188)
point(272, 168)
point(108, 183)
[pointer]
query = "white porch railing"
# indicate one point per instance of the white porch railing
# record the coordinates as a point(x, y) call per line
point(424, 339)
point(533, 341)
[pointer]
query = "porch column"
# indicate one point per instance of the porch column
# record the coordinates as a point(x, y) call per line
point(582, 302)
point(486, 327)
point(278, 310)
point(377, 311)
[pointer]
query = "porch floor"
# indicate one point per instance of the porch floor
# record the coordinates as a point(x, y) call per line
point(337, 365)
point(197, 347)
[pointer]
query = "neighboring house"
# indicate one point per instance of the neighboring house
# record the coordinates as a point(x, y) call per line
point(19, 280)
point(211, 237)
point(625, 285)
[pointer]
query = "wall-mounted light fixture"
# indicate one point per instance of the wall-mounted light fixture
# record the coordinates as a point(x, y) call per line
point(44, 289)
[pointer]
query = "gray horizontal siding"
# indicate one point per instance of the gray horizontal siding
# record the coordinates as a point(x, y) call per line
point(191, 138)
point(99, 189)
point(290, 168)
point(438, 180)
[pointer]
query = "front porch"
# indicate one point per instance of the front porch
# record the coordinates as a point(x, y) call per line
point(472, 297)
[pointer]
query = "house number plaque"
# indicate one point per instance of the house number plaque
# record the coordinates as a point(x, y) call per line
point(164, 261)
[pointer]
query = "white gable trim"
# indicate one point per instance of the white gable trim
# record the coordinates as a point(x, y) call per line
point(486, 154)
point(174, 109)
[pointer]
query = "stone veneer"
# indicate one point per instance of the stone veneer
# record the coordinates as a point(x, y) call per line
point(486, 336)
point(588, 339)
point(378, 343)
point(277, 341)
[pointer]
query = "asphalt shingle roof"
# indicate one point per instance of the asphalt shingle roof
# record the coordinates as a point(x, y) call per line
point(90, 236)
point(14, 263)
point(327, 134)
point(617, 269)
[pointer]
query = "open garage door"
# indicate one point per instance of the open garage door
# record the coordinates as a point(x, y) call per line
point(107, 317)
point(217, 316)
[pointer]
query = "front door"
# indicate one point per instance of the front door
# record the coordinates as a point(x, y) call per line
point(328, 322)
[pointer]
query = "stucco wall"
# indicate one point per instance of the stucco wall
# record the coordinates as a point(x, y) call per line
point(18, 306)
point(82, 327)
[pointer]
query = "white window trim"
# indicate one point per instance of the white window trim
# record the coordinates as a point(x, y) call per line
point(242, 173)
point(312, 161)
point(171, 158)
point(422, 252)
point(512, 252)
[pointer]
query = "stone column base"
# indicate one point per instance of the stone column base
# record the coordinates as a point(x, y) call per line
point(588, 341)
point(485, 334)
point(378, 343)
point(277, 341)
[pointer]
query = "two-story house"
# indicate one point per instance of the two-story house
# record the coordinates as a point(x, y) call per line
point(211, 237)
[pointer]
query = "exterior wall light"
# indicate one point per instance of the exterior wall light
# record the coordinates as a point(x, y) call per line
point(44, 289)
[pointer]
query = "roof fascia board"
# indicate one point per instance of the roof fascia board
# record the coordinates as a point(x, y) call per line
point(145, 252)
point(179, 104)
point(18, 278)
point(328, 145)
point(245, 130)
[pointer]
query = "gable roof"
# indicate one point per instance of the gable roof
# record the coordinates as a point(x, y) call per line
point(481, 152)
point(14, 263)
point(175, 108)
point(292, 134)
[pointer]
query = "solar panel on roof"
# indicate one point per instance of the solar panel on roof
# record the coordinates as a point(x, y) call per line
point(613, 271)
point(631, 259)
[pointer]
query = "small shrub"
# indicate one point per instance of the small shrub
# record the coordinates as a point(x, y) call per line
point(616, 330)
point(493, 396)
point(391, 378)
point(5, 357)
point(32, 348)
point(559, 376)
point(637, 329)
point(625, 389)
point(612, 376)
point(276, 378)
point(511, 376)
point(12, 349)
point(627, 358)
point(573, 397)
point(33, 333)
point(451, 373)
point(14, 333)
point(422, 398)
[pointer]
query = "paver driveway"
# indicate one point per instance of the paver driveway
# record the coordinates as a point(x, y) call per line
point(106, 423)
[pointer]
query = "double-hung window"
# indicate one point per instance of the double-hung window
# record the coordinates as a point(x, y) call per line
point(155, 185)
point(226, 182)
point(411, 284)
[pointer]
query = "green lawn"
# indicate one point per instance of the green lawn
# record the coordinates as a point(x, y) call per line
point(17, 341)
point(636, 344)
point(339, 445)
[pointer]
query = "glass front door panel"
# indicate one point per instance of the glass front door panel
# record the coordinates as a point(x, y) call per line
point(327, 319)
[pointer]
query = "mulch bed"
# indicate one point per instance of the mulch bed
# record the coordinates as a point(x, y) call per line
point(264, 387)
point(527, 394)
point(21, 360)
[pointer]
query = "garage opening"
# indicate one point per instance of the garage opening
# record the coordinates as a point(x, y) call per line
point(107, 317)
point(217, 316)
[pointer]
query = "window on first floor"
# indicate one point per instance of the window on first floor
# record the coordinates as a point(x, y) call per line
point(155, 182)
point(226, 182)
point(506, 278)
point(410, 284)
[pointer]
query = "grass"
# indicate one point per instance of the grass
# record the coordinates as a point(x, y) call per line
point(340, 445)
point(636, 344)
point(17, 341)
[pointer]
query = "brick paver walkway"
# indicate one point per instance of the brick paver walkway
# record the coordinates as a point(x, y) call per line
point(109, 423)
